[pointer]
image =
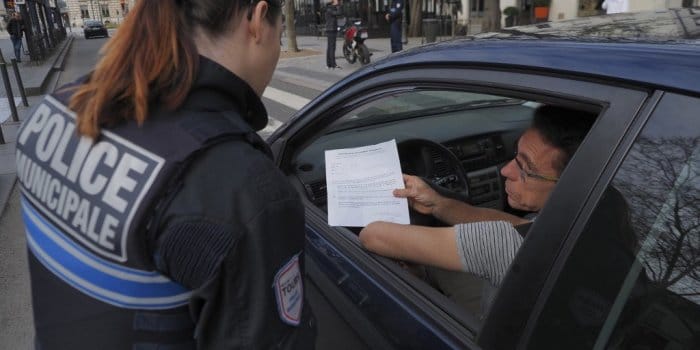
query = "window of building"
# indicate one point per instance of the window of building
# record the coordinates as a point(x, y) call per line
point(84, 13)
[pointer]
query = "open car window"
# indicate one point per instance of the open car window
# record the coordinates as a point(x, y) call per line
point(479, 129)
point(457, 140)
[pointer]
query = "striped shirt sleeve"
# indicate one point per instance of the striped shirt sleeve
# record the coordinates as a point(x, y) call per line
point(487, 248)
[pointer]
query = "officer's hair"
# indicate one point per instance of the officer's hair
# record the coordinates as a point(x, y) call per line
point(152, 59)
point(563, 128)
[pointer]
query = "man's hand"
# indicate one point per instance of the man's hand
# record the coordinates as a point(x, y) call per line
point(421, 197)
point(387, 17)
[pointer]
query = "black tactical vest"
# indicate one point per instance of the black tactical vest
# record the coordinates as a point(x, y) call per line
point(87, 206)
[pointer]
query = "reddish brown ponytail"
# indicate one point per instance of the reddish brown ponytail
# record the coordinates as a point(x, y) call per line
point(151, 59)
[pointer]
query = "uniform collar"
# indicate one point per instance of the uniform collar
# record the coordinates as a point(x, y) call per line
point(218, 89)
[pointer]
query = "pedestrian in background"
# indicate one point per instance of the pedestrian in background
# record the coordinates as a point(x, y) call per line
point(155, 215)
point(332, 13)
point(15, 27)
point(394, 18)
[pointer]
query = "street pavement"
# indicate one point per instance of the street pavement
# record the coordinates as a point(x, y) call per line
point(35, 76)
point(16, 330)
point(296, 81)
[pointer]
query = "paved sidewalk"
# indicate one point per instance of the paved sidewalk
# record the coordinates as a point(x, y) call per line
point(35, 76)
point(311, 69)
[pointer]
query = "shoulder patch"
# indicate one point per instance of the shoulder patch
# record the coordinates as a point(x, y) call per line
point(289, 292)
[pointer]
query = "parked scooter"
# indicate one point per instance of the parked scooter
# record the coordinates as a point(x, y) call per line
point(354, 47)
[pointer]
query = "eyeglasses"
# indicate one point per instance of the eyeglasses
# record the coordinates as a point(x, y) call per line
point(524, 174)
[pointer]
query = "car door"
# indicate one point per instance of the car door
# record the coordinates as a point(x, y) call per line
point(629, 274)
point(385, 305)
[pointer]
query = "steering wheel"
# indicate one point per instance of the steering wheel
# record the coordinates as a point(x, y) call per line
point(441, 169)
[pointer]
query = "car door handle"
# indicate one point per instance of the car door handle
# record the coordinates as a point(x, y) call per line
point(342, 279)
point(328, 259)
point(354, 292)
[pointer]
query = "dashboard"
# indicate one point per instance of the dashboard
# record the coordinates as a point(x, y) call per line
point(480, 142)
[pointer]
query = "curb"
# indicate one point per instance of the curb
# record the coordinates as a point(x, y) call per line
point(60, 61)
point(7, 184)
point(58, 64)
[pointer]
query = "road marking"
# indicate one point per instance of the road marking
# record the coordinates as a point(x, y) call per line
point(272, 125)
point(5, 111)
point(295, 79)
point(290, 100)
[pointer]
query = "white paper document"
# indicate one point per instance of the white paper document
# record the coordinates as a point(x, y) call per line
point(360, 182)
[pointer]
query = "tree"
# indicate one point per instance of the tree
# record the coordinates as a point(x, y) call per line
point(660, 184)
point(492, 16)
point(289, 23)
point(414, 27)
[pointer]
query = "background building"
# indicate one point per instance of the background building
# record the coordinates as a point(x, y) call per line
point(465, 15)
point(107, 11)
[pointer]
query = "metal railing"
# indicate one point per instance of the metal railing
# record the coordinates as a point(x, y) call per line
point(8, 90)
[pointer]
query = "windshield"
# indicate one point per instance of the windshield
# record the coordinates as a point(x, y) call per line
point(413, 104)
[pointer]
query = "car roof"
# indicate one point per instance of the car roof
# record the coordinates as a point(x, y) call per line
point(659, 49)
point(674, 66)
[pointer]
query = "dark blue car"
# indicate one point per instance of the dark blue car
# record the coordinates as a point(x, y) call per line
point(456, 110)
point(93, 28)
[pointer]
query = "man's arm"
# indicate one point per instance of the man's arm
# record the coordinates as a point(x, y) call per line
point(452, 212)
point(394, 12)
point(435, 246)
point(425, 200)
point(334, 9)
point(485, 249)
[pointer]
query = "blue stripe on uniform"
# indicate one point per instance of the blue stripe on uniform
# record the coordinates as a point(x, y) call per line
point(103, 280)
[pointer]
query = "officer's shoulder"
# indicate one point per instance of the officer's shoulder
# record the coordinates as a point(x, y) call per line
point(237, 164)
point(235, 172)
point(234, 154)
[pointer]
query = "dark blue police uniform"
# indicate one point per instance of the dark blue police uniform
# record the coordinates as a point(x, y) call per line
point(395, 15)
point(159, 236)
point(332, 13)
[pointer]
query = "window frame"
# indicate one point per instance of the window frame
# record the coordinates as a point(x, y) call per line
point(616, 100)
point(104, 10)
point(639, 121)
point(84, 12)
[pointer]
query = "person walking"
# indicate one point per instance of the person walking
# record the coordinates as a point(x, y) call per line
point(394, 18)
point(155, 215)
point(15, 27)
point(332, 13)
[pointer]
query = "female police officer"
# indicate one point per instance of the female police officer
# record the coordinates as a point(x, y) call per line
point(155, 217)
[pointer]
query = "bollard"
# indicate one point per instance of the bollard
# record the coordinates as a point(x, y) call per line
point(20, 84)
point(8, 90)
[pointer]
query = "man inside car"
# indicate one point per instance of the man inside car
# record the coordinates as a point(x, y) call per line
point(484, 241)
